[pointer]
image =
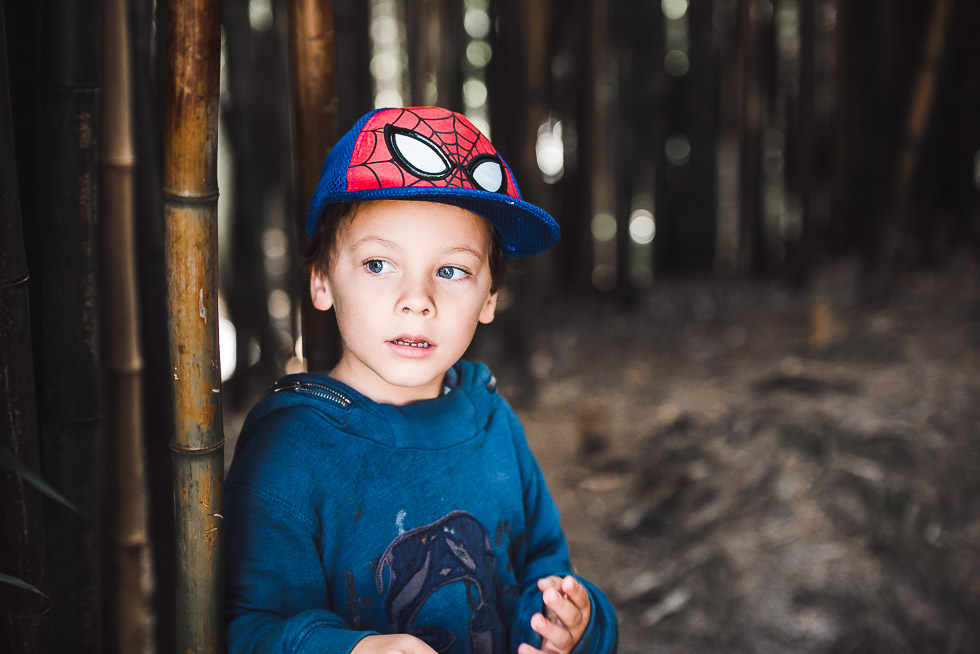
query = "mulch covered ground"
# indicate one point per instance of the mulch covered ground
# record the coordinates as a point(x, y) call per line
point(745, 469)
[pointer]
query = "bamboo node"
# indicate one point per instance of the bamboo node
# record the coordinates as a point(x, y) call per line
point(118, 162)
point(197, 450)
point(16, 282)
point(191, 197)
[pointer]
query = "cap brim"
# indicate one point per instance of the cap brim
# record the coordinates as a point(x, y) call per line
point(524, 228)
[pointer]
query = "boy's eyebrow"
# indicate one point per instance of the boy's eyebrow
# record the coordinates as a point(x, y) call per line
point(377, 240)
point(466, 250)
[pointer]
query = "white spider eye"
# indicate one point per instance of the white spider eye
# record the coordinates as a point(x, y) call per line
point(416, 153)
point(488, 174)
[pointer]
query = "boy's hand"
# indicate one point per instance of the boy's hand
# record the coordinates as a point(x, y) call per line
point(393, 644)
point(567, 609)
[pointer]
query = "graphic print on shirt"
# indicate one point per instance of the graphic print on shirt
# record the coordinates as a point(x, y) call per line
point(454, 549)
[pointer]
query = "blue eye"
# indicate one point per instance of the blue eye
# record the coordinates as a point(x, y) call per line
point(451, 272)
point(377, 266)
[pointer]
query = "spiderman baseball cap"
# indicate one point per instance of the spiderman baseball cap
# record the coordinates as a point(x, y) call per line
point(432, 154)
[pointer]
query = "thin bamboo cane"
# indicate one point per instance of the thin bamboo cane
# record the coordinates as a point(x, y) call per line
point(25, 625)
point(314, 71)
point(752, 118)
point(881, 283)
point(190, 211)
point(126, 505)
point(355, 86)
point(148, 25)
point(426, 40)
point(70, 404)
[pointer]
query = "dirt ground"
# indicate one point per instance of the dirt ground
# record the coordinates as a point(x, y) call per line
point(744, 469)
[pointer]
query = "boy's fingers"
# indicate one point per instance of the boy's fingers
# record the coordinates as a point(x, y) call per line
point(552, 633)
point(567, 612)
point(575, 592)
point(545, 583)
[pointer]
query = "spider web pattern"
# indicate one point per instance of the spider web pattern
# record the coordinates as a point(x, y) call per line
point(373, 166)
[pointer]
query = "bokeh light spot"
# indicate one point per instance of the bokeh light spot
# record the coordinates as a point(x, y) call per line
point(643, 227)
point(674, 9)
point(604, 227)
point(678, 149)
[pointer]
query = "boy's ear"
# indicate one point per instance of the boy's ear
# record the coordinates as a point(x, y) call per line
point(488, 310)
point(320, 291)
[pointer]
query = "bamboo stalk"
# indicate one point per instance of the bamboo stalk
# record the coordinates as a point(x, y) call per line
point(129, 537)
point(429, 45)
point(314, 71)
point(70, 404)
point(147, 22)
point(355, 87)
point(190, 212)
point(26, 625)
point(751, 120)
point(921, 102)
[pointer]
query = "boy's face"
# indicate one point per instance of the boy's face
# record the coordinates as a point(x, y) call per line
point(409, 282)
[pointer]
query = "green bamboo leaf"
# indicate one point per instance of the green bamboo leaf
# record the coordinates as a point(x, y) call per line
point(10, 462)
point(19, 583)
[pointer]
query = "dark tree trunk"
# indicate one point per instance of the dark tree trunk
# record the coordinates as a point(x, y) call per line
point(752, 120)
point(152, 293)
point(315, 104)
point(898, 205)
point(962, 135)
point(450, 65)
point(697, 221)
point(256, 116)
point(507, 101)
point(435, 45)
point(426, 49)
point(24, 69)
point(355, 92)
point(857, 154)
point(573, 253)
point(658, 123)
point(26, 624)
point(596, 137)
point(627, 17)
point(687, 193)
point(69, 374)
point(801, 136)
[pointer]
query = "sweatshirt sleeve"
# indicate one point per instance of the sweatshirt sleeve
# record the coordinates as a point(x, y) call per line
point(275, 584)
point(546, 554)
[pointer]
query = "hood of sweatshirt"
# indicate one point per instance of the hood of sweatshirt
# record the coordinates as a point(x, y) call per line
point(463, 411)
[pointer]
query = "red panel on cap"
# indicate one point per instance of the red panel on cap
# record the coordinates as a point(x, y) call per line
point(374, 166)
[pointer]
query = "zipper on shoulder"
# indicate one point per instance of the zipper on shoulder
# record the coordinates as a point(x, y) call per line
point(312, 388)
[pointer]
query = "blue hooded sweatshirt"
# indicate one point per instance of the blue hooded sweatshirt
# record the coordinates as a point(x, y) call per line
point(345, 518)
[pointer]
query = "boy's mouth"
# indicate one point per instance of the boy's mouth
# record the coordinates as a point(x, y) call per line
point(411, 342)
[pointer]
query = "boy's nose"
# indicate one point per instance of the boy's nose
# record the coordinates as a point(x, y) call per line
point(416, 298)
point(412, 308)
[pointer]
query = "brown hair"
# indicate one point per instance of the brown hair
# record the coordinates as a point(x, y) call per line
point(319, 254)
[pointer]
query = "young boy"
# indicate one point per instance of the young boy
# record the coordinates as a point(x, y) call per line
point(392, 504)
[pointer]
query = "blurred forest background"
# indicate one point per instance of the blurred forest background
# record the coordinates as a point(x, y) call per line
point(749, 367)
